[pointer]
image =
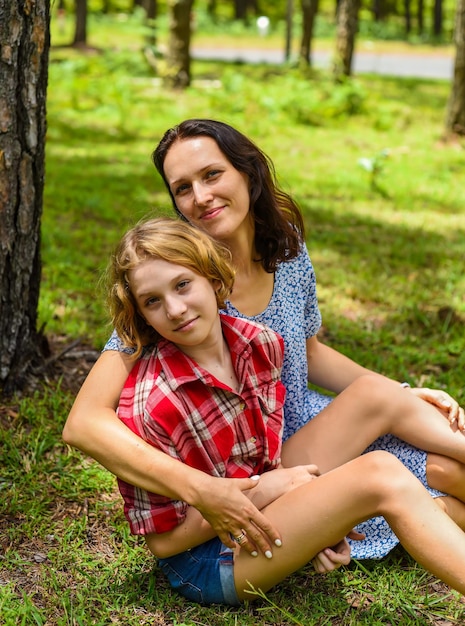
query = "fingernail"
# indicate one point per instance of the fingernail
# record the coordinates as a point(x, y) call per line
point(255, 477)
point(447, 403)
point(268, 554)
point(278, 542)
point(254, 553)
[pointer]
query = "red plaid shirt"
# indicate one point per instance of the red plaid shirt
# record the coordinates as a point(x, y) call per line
point(187, 413)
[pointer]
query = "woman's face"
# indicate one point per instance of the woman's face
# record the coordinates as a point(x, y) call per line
point(208, 190)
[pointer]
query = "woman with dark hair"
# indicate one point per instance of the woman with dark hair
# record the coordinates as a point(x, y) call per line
point(223, 184)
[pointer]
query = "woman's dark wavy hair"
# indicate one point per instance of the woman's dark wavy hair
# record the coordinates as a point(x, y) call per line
point(279, 227)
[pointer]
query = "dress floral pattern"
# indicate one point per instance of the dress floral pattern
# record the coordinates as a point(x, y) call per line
point(293, 313)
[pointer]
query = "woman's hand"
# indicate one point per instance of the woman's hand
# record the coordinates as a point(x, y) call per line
point(446, 403)
point(331, 558)
point(231, 513)
point(231, 506)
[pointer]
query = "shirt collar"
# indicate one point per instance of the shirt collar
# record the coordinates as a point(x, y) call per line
point(180, 369)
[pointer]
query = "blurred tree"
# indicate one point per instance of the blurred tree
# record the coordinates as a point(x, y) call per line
point(437, 18)
point(80, 30)
point(178, 73)
point(421, 16)
point(346, 30)
point(408, 17)
point(455, 116)
point(289, 29)
point(211, 9)
point(24, 46)
point(242, 8)
point(309, 11)
point(151, 10)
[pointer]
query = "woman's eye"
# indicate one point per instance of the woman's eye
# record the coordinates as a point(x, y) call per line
point(181, 189)
point(213, 173)
point(183, 284)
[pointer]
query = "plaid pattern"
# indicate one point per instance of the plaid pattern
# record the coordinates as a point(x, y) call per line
point(183, 410)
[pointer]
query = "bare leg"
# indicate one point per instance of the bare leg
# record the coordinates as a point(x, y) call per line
point(446, 474)
point(370, 407)
point(454, 508)
point(320, 513)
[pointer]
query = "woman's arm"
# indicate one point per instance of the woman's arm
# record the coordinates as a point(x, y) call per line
point(93, 427)
point(194, 530)
point(330, 369)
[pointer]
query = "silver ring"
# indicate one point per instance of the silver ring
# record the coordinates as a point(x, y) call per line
point(240, 539)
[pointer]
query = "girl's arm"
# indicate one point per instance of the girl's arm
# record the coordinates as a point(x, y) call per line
point(93, 427)
point(194, 530)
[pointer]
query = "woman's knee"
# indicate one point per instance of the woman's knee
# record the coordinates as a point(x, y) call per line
point(446, 474)
point(374, 393)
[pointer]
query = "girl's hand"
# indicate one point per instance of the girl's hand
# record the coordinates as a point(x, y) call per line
point(331, 558)
point(446, 403)
point(276, 483)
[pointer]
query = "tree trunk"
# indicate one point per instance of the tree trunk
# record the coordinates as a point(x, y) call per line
point(240, 10)
point(211, 9)
point(178, 58)
point(420, 16)
point(347, 26)
point(80, 31)
point(151, 10)
point(289, 24)
point(309, 11)
point(437, 18)
point(377, 10)
point(455, 118)
point(24, 46)
point(408, 17)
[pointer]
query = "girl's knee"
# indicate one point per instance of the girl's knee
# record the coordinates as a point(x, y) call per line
point(382, 465)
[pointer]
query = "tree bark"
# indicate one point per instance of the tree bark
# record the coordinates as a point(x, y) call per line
point(437, 18)
point(309, 11)
point(24, 46)
point(289, 25)
point(408, 17)
point(80, 30)
point(420, 16)
point(178, 58)
point(455, 117)
point(347, 26)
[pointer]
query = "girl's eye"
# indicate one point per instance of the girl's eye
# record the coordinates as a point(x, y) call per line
point(213, 173)
point(151, 301)
point(183, 284)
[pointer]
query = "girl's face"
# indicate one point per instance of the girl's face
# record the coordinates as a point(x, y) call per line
point(208, 190)
point(177, 302)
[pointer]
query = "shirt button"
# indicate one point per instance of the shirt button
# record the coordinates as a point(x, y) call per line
point(253, 439)
point(242, 406)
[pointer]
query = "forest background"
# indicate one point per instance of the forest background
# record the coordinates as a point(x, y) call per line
point(383, 199)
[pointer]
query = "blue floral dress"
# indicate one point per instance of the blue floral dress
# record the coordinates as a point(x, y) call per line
point(293, 313)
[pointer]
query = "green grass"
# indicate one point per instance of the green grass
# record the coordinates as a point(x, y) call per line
point(388, 251)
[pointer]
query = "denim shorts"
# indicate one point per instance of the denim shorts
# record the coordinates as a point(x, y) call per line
point(204, 574)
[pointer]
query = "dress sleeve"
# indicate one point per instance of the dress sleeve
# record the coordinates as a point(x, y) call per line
point(312, 311)
point(115, 343)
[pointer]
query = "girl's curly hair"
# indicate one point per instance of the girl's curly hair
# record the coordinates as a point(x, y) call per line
point(170, 240)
